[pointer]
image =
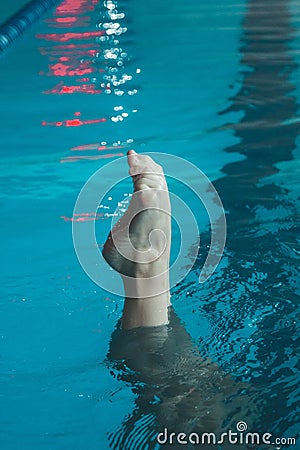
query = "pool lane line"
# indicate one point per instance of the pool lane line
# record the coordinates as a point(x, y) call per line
point(18, 23)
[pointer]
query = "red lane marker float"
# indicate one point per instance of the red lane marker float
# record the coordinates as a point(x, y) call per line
point(91, 158)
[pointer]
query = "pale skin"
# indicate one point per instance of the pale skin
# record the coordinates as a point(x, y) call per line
point(138, 247)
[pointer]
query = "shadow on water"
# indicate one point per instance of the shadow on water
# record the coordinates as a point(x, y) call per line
point(174, 386)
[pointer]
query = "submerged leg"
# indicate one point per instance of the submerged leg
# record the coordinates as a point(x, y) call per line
point(138, 247)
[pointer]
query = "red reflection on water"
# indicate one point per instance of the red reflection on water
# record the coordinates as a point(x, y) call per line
point(73, 122)
point(83, 217)
point(63, 20)
point(90, 157)
point(59, 48)
point(68, 22)
point(96, 146)
point(63, 37)
point(83, 88)
point(61, 70)
point(72, 54)
point(75, 6)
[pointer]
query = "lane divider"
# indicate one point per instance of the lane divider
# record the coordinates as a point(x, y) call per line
point(18, 23)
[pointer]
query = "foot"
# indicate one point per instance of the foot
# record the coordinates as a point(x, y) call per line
point(139, 244)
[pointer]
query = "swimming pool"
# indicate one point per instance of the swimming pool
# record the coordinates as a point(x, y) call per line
point(215, 84)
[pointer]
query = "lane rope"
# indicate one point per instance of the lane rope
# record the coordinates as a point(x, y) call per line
point(19, 22)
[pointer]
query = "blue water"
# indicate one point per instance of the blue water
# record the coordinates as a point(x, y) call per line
point(216, 84)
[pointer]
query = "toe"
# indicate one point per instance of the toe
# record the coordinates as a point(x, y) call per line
point(142, 163)
point(131, 158)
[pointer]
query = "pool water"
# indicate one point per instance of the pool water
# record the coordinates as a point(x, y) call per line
point(216, 84)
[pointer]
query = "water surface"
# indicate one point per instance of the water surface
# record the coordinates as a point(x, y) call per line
point(216, 84)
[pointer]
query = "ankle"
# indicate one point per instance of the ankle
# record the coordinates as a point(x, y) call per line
point(144, 286)
point(145, 312)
